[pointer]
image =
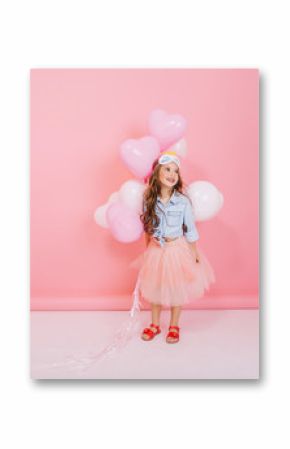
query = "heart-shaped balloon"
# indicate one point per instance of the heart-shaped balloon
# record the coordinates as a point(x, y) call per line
point(139, 154)
point(124, 222)
point(167, 128)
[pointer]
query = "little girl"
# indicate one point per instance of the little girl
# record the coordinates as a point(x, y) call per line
point(172, 270)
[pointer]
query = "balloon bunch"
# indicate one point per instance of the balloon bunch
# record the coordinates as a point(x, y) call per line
point(121, 213)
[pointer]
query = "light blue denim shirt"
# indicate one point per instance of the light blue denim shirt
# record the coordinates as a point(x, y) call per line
point(172, 215)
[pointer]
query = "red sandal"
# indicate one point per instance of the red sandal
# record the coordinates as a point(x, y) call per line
point(150, 332)
point(173, 334)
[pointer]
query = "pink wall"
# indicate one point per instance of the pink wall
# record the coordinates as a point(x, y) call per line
point(79, 117)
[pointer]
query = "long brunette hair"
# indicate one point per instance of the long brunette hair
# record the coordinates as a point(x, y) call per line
point(149, 218)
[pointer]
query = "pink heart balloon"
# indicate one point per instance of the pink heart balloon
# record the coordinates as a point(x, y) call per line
point(167, 128)
point(139, 154)
point(124, 223)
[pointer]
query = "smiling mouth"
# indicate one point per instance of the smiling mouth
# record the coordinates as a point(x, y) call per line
point(170, 180)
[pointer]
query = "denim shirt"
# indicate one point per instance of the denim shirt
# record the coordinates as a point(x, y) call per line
point(172, 215)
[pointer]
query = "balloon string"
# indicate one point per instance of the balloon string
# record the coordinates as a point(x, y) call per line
point(126, 331)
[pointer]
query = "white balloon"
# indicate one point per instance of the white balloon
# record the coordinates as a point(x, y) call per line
point(100, 215)
point(180, 147)
point(113, 197)
point(207, 200)
point(131, 194)
point(100, 212)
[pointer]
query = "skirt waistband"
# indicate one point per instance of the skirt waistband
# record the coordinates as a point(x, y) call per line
point(170, 240)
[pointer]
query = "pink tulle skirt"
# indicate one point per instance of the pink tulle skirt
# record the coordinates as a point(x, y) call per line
point(170, 275)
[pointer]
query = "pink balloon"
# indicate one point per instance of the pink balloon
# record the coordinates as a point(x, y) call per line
point(124, 222)
point(139, 154)
point(167, 128)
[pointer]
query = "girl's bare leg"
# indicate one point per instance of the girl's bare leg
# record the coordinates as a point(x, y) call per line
point(155, 311)
point(175, 314)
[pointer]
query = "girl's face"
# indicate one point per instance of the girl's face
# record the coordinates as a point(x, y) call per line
point(168, 174)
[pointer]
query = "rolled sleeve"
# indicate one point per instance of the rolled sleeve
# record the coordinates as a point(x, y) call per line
point(191, 234)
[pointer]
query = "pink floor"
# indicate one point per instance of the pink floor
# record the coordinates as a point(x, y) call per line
point(214, 344)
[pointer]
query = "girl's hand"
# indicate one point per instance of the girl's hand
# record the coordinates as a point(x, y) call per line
point(195, 252)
